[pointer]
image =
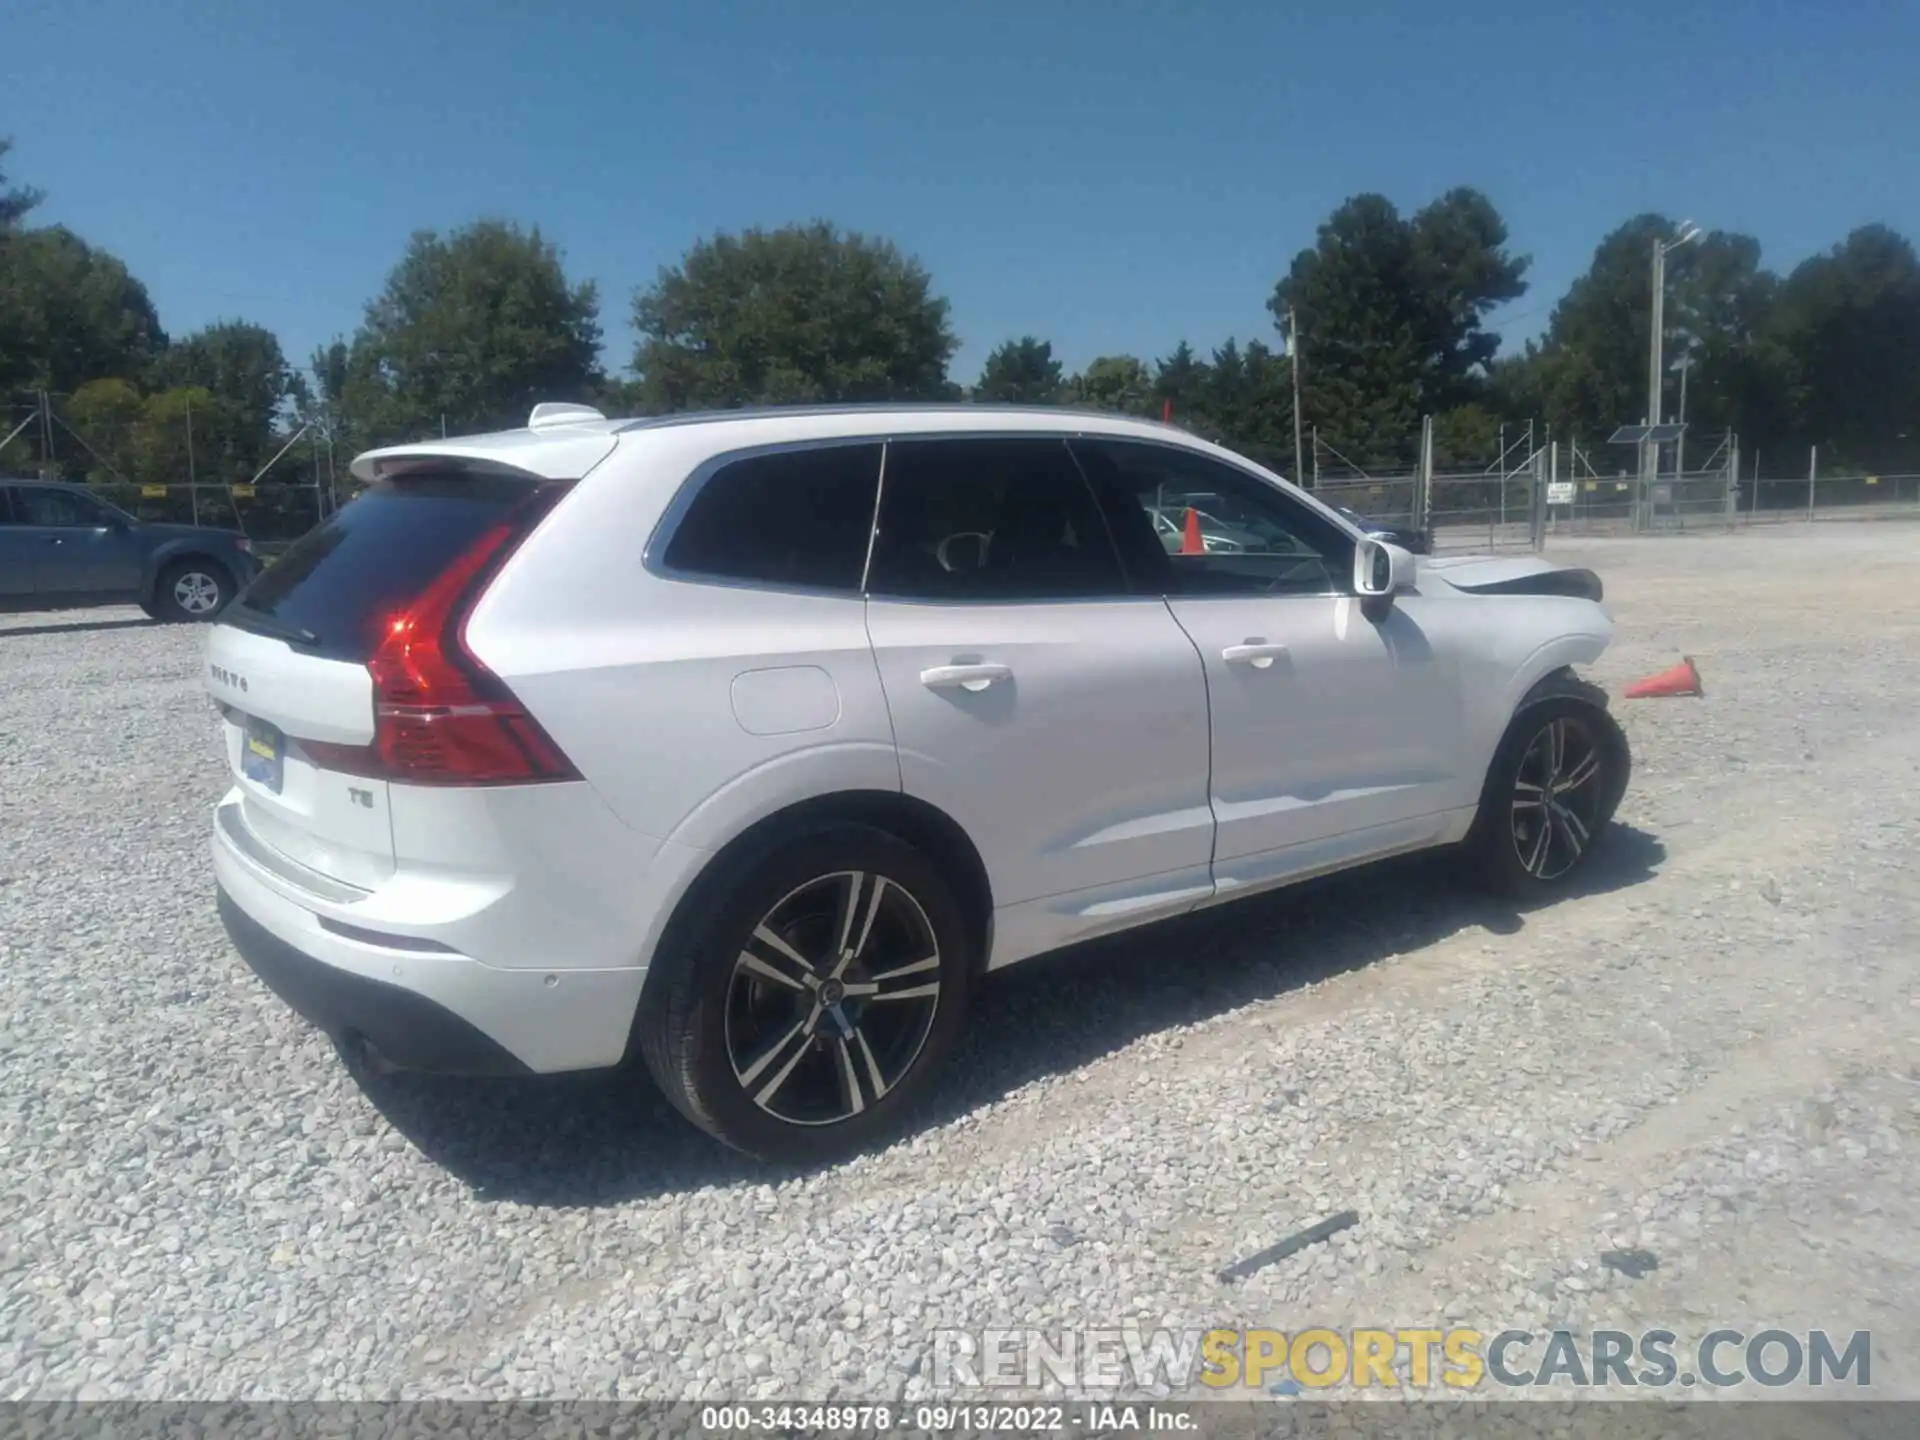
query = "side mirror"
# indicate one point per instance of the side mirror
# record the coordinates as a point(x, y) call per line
point(1380, 571)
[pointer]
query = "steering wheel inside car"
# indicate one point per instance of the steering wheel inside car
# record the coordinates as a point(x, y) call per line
point(955, 565)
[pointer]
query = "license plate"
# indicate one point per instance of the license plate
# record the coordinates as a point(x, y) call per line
point(263, 755)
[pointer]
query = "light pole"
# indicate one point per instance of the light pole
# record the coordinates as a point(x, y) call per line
point(1680, 440)
point(1688, 232)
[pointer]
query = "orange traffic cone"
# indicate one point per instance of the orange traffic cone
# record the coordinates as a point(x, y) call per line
point(1681, 679)
point(1191, 542)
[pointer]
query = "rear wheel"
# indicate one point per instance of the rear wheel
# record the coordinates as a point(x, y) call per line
point(191, 589)
point(808, 1016)
point(1550, 795)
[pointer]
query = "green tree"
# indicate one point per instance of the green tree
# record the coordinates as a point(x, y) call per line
point(1021, 372)
point(1850, 322)
point(1391, 315)
point(1243, 399)
point(109, 416)
point(1179, 382)
point(473, 329)
point(802, 314)
point(69, 314)
point(1588, 374)
point(1113, 382)
point(1461, 269)
point(242, 367)
point(173, 435)
point(242, 364)
point(1467, 435)
point(15, 201)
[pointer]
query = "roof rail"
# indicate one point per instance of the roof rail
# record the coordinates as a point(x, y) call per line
point(883, 407)
point(554, 415)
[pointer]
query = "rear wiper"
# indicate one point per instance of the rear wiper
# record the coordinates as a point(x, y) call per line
point(261, 623)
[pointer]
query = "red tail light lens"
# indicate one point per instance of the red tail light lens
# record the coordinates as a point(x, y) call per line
point(440, 716)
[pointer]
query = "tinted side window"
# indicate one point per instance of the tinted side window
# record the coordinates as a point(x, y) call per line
point(990, 520)
point(795, 518)
point(56, 507)
point(1214, 530)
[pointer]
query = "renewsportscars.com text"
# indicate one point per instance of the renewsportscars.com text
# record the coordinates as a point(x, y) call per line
point(1399, 1358)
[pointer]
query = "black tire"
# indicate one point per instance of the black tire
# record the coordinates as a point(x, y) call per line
point(752, 1053)
point(191, 590)
point(1520, 845)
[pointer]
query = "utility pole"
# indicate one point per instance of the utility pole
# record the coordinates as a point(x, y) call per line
point(1680, 444)
point(1650, 461)
point(1293, 354)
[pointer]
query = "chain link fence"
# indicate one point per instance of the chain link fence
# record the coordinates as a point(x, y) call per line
point(171, 464)
point(1531, 491)
point(1476, 504)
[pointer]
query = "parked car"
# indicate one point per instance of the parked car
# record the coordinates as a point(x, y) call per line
point(61, 546)
point(1408, 537)
point(1216, 537)
point(699, 740)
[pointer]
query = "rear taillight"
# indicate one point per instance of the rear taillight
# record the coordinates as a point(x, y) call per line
point(440, 716)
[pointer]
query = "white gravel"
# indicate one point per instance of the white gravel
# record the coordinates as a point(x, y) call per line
point(1711, 1056)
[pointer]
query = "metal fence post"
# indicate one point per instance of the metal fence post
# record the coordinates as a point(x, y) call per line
point(1733, 485)
point(1537, 517)
point(1813, 471)
point(1753, 505)
point(1423, 484)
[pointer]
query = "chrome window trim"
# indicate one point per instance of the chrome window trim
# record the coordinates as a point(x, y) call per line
point(653, 555)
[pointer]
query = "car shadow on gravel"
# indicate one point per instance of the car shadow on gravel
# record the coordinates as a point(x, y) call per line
point(605, 1138)
point(76, 627)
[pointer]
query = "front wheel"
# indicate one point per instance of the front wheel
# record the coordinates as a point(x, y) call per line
point(805, 1020)
point(191, 590)
point(1550, 795)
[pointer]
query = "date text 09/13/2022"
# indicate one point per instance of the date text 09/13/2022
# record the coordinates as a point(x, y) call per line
point(1091, 1417)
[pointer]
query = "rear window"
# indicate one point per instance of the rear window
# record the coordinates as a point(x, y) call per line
point(343, 581)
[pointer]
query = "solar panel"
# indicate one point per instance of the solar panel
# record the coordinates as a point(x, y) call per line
point(1646, 434)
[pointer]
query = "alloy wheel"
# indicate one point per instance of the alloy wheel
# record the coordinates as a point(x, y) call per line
point(1557, 798)
point(832, 999)
point(196, 592)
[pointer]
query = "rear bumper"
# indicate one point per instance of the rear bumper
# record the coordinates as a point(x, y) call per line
point(405, 1029)
point(439, 1010)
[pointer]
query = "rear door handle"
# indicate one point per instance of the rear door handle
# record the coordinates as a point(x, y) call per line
point(965, 677)
point(1257, 653)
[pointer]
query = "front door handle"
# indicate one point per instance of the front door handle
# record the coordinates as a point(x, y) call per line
point(1257, 653)
point(965, 677)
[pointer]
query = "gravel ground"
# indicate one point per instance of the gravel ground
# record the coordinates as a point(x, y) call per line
point(1710, 1055)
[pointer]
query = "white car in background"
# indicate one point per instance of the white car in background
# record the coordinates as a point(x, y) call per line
point(700, 739)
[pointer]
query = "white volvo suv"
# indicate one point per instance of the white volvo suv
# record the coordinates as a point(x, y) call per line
point(745, 743)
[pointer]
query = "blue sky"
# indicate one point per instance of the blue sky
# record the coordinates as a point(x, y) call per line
point(1111, 176)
